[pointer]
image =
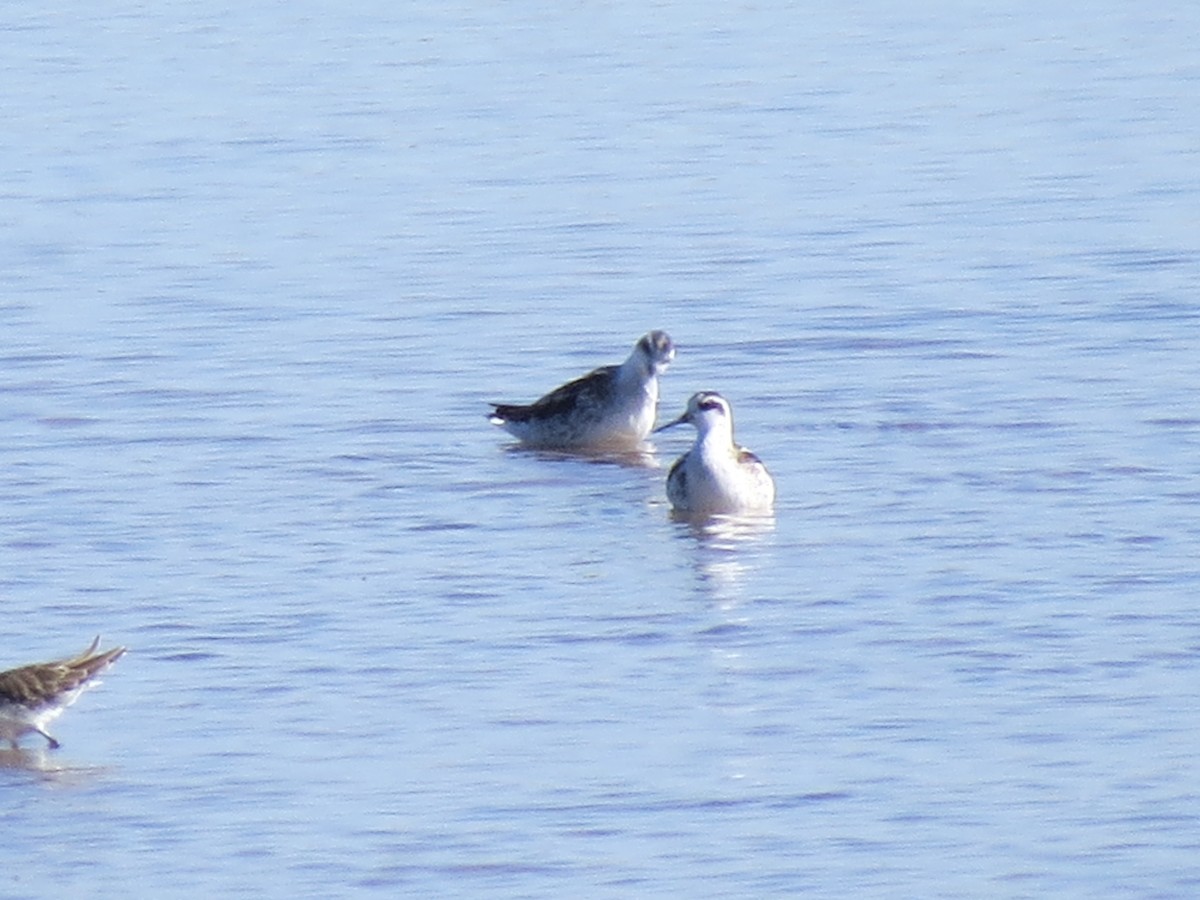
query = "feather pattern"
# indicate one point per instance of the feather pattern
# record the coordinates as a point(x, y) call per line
point(612, 407)
point(717, 476)
point(32, 696)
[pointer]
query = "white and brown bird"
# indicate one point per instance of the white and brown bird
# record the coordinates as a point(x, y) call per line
point(611, 408)
point(32, 696)
point(717, 476)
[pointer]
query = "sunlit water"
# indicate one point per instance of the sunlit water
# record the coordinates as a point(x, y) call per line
point(262, 268)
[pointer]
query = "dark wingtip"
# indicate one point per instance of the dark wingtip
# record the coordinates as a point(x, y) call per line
point(505, 412)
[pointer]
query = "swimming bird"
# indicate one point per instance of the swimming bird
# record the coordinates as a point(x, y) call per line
point(716, 475)
point(612, 408)
point(33, 696)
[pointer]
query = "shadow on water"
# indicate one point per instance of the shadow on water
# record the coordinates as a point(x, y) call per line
point(724, 532)
point(642, 458)
point(720, 566)
point(41, 766)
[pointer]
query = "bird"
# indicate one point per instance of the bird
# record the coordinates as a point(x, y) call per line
point(611, 408)
point(717, 476)
point(32, 696)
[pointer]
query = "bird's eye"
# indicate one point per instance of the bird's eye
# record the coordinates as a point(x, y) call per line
point(710, 404)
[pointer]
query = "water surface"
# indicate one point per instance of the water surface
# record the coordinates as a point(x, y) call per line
point(263, 268)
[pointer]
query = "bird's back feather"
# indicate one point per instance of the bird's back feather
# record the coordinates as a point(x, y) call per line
point(40, 683)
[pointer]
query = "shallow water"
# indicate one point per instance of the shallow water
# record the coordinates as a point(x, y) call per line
point(262, 269)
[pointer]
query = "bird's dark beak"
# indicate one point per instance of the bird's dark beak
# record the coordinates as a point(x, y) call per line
point(671, 424)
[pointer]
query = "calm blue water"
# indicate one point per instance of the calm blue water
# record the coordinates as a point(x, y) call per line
point(262, 266)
